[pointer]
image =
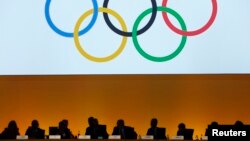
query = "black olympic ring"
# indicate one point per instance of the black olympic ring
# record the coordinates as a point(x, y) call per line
point(129, 34)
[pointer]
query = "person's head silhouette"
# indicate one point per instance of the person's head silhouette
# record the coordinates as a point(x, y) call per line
point(154, 122)
point(181, 126)
point(66, 122)
point(62, 125)
point(12, 125)
point(91, 121)
point(238, 123)
point(34, 124)
point(214, 124)
point(120, 123)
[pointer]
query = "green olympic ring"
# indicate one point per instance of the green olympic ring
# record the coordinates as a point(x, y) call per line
point(154, 58)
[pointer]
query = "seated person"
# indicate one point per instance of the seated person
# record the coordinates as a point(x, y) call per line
point(34, 132)
point(158, 133)
point(11, 131)
point(95, 130)
point(125, 132)
point(66, 122)
point(64, 131)
point(187, 133)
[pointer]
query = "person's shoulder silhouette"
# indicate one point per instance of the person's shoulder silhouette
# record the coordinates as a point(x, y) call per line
point(183, 131)
point(158, 133)
point(96, 130)
point(34, 132)
point(64, 131)
point(126, 132)
point(11, 131)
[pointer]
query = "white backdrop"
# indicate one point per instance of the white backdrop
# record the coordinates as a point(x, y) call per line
point(29, 46)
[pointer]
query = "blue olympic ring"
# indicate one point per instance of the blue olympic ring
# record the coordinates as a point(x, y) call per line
point(67, 34)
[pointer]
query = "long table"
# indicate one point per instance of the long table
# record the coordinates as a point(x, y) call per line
point(85, 140)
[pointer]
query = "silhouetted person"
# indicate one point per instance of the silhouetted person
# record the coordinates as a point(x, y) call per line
point(34, 132)
point(181, 129)
point(158, 133)
point(90, 130)
point(125, 132)
point(213, 125)
point(64, 131)
point(11, 131)
point(95, 130)
point(187, 133)
point(66, 123)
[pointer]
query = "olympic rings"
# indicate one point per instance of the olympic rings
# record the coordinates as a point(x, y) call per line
point(150, 57)
point(129, 34)
point(66, 34)
point(195, 32)
point(99, 59)
point(135, 32)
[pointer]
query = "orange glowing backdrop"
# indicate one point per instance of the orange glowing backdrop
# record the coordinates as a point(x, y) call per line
point(193, 99)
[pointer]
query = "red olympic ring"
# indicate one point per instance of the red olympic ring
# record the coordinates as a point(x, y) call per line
point(195, 32)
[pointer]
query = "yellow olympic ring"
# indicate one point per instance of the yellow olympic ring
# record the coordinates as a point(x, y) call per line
point(79, 46)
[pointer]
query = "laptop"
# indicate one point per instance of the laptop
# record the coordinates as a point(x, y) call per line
point(53, 130)
point(161, 133)
point(188, 135)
